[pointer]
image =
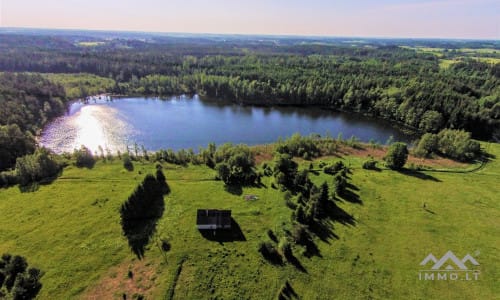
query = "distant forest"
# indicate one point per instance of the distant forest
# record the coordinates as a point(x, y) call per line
point(374, 77)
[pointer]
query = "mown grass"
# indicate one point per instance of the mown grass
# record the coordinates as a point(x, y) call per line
point(70, 229)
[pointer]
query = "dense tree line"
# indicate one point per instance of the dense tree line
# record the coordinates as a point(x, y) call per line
point(388, 82)
point(27, 102)
point(17, 281)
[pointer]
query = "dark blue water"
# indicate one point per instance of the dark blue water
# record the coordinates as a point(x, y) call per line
point(190, 122)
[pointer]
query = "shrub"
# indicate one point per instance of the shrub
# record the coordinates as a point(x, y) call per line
point(458, 144)
point(8, 178)
point(299, 146)
point(235, 165)
point(165, 245)
point(370, 164)
point(83, 157)
point(455, 144)
point(35, 167)
point(333, 169)
point(396, 156)
point(127, 162)
point(19, 280)
point(427, 145)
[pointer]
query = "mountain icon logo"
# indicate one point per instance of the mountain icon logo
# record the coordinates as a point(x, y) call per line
point(449, 261)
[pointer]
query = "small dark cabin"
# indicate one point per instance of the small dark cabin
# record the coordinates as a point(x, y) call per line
point(213, 219)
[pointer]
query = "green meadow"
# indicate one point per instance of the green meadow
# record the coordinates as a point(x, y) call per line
point(70, 229)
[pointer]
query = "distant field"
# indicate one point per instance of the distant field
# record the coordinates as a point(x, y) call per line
point(464, 52)
point(446, 63)
point(80, 84)
point(481, 50)
point(90, 44)
point(70, 229)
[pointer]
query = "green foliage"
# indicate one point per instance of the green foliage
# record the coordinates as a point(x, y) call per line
point(455, 144)
point(431, 121)
point(95, 236)
point(334, 168)
point(396, 156)
point(458, 144)
point(8, 178)
point(235, 165)
point(19, 281)
point(83, 157)
point(35, 167)
point(127, 162)
point(81, 85)
point(370, 164)
point(285, 169)
point(13, 144)
point(427, 144)
point(299, 146)
point(388, 82)
point(28, 102)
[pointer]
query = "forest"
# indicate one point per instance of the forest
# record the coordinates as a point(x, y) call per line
point(378, 78)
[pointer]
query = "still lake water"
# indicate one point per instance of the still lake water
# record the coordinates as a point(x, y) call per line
point(190, 122)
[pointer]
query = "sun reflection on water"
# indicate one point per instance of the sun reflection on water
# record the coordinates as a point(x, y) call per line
point(92, 126)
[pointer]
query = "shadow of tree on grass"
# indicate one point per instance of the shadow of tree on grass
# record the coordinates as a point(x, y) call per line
point(418, 174)
point(141, 212)
point(224, 235)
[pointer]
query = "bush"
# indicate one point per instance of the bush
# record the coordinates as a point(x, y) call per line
point(396, 156)
point(457, 144)
point(427, 145)
point(299, 146)
point(19, 280)
point(38, 166)
point(84, 157)
point(370, 164)
point(235, 165)
point(8, 178)
point(285, 170)
point(127, 162)
point(333, 169)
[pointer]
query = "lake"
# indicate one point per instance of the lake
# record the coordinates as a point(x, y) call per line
point(190, 122)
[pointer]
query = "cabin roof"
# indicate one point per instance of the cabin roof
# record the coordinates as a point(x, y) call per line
point(213, 216)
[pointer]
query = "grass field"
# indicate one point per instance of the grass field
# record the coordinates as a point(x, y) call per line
point(70, 229)
point(81, 84)
point(481, 54)
point(90, 44)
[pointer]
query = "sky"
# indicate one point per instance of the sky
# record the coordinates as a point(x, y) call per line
point(470, 19)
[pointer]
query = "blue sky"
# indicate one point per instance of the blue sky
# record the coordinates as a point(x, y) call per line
point(383, 18)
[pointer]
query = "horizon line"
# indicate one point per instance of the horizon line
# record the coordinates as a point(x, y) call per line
point(249, 34)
